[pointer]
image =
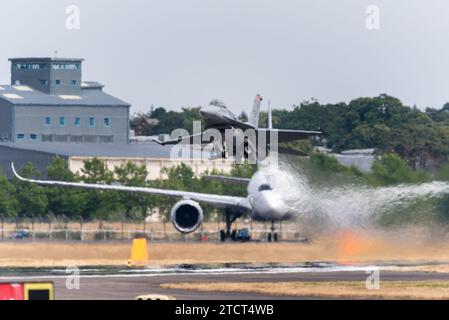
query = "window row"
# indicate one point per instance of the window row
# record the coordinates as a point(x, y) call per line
point(92, 121)
point(58, 82)
point(66, 138)
point(66, 66)
point(31, 66)
point(44, 82)
point(55, 66)
point(21, 136)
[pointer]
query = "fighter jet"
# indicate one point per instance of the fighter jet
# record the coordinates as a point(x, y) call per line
point(261, 202)
point(217, 116)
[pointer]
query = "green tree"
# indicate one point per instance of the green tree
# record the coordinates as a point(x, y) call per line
point(31, 198)
point(390, 169)
point(96, 171)
point(130, 174)
point(64, 201)
point(8, 203)
point(99, 204)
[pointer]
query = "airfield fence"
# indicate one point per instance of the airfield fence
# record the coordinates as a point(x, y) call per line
point(62, 229)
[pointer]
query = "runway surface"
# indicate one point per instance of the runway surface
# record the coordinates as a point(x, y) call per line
point(123, 284)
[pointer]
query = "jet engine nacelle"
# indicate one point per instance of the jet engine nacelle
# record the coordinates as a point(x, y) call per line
point(187, 216)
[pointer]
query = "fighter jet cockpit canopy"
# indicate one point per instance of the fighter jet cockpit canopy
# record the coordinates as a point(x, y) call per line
point(218, 103)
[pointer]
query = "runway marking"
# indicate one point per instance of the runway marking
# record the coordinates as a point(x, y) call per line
point(219, 272)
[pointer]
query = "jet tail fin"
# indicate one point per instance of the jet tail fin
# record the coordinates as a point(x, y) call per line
point(255, 112)
point(270, 118)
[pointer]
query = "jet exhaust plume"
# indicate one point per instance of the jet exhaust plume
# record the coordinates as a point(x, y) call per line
point(345, 206)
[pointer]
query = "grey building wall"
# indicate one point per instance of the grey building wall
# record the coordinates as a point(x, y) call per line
point(31, 120)
point(362, 162)
point(31, 77)
point(6, 120)
point(41, 160)
point(65, 77)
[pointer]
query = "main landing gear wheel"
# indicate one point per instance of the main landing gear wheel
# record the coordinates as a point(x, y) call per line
point(228, 233)
point(272, 236)
point(222, 235)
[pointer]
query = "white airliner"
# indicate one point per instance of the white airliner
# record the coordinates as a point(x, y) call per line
point(261, 202)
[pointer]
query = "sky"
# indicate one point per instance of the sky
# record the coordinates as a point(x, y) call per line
point(184, 53)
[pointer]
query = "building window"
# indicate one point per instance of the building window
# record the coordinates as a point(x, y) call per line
point(31, 66)
point(76, 138)
point(47, 138)
point(78, 122)
point(47, 121)
point(66, 66)
point(107, 122)
point(105, 139)
point(73, 82)
point(43, 82)
point(33, 136)
point(17, 82)
point(58, 82)
point(92, 122)
point(62, 121)
point(20, 136)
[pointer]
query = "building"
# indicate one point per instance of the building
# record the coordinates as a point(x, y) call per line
point(47, 101)
point(155, 157)
point(362, 159)
point(49, 111)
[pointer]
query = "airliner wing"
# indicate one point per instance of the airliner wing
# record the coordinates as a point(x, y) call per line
point(213, 199)
point(230, 180)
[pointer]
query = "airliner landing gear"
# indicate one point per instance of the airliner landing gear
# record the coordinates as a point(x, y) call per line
point(242, 235)
point(272, 236)
point(228, 234)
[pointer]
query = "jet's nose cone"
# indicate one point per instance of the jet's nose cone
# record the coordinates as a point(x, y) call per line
point(271, 205)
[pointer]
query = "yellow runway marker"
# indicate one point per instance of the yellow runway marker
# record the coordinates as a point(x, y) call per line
point(139, 253)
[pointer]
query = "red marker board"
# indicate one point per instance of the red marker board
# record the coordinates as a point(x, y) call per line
point(11, 291)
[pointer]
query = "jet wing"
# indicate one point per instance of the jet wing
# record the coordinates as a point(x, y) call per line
point(213, 199)
point(186, 139)
point(291, 135)
point(283, 135)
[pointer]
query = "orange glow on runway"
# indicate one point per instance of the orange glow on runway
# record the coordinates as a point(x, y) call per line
point(350, 246)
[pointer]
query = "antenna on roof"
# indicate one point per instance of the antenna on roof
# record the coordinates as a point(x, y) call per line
point(56, 53)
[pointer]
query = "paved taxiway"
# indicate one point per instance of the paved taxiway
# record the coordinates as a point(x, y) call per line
point(125, 287)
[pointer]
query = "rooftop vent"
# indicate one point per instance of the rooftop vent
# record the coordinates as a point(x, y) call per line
point(12, 96)
point(70, 97)
point(22, 88)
